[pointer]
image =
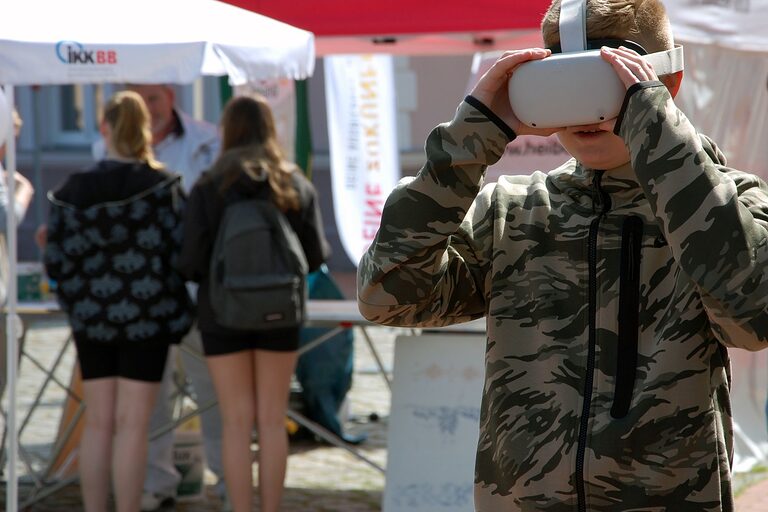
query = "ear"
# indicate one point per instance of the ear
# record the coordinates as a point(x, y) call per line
point(171, 92)
point(104, 129)
point(673, 82)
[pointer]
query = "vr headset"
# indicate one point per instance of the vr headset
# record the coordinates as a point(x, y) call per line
point(575, 86)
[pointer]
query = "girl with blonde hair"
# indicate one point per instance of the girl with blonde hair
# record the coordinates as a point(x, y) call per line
point(112, 242)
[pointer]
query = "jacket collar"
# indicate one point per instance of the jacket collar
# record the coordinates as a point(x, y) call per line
point(578, 181)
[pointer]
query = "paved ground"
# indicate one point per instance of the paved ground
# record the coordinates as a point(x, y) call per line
point(320, 478)
point(755, 497)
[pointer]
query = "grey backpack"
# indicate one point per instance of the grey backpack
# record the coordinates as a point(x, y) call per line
point(258, 269)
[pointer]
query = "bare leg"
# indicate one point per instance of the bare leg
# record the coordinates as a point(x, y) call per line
point(95, 451)
point(273, 382)
point(232, 376)
point(135, 401)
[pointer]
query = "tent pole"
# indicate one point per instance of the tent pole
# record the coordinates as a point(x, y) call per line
point(37, 165)
point(11, 485)
point(225, 90)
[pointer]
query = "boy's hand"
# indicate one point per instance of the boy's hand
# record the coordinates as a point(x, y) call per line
point(631, 69)
point(629, 65)
point(491, 90)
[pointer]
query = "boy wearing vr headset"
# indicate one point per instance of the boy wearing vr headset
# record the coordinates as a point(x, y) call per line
point(612, 286)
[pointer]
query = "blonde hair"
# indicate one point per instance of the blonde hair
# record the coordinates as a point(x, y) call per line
point(249, 145)
point(131, 134)
point(642, 21)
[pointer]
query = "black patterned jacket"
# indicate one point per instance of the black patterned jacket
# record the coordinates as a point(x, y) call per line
point(113, 238)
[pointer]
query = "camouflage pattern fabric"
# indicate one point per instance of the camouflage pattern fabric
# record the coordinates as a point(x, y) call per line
point(610, 299)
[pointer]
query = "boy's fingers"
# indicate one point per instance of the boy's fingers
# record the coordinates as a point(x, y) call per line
point(627, 53)
point(509, 63)
point(626, 75)
point(649, 73)
point(635, 68)
point(514, 58)
point(629, 67)
point(526, 51)
point(491, 88)
point(506, 64)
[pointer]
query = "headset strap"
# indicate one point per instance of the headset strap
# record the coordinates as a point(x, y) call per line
point(666, 62)
point(573, 38)
point(573, 25)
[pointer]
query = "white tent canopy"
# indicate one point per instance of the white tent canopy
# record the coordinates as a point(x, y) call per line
point(44, 42)
point(160, 41)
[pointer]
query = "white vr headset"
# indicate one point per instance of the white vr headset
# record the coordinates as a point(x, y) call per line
point(577, 87)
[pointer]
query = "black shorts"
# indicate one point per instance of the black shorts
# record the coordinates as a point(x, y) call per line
point(144, 362)
point(229, 342)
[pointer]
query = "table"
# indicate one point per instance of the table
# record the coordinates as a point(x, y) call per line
point(337, 315)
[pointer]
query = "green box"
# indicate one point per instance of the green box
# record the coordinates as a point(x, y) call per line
point(29, 286)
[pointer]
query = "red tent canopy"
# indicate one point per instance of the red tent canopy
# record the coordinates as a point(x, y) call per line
point(408, 26)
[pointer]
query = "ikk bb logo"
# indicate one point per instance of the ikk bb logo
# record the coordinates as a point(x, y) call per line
point(72, 52)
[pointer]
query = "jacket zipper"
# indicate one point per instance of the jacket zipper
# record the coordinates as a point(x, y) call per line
point(629, 301)
point(601, 204)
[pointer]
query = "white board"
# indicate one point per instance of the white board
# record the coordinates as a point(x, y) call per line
point(434, 422)
point(749, 391)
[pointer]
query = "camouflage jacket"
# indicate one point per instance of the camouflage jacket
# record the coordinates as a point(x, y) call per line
point(609, 297)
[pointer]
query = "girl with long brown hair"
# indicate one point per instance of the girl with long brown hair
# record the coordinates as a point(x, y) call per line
point(251, 369)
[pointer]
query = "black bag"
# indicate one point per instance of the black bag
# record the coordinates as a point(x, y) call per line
point(258, 269)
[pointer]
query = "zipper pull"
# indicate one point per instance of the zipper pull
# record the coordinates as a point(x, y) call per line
point(597, 193)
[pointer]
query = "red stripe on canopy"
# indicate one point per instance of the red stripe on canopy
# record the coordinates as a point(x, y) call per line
point(392, 17)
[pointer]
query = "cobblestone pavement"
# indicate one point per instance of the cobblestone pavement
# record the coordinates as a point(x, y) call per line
point(321, 478)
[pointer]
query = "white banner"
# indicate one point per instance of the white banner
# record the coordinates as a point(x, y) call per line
point(737, 24)
point(365, 167)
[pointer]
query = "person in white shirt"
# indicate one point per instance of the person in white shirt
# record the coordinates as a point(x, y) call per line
point(22, 197)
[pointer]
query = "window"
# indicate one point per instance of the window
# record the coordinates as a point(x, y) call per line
point(73, 111)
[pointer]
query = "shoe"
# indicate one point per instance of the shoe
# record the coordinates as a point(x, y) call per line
point(354, 439)
point(151, 501)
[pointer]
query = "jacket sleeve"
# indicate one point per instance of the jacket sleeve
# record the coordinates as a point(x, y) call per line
point(715, 219)
point(174, 226)
point(196, 239)
point(54, 258)
point(312, 234)
point(429, 262)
